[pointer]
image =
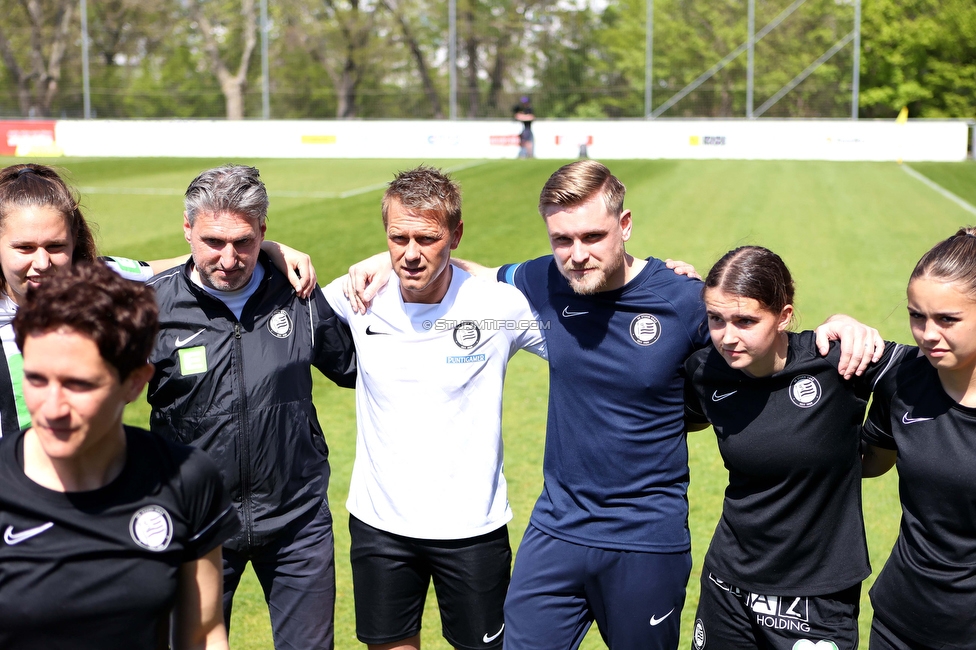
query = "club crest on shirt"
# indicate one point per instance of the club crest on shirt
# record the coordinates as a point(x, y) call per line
point(645, 329)
point(698, 639)
point(280, 324)
point(805, 391)
point(466, 334)
point(151, 528)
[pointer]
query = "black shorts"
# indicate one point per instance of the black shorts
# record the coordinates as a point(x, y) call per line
point(883, 637)
point(391, 575)
point(731, 618)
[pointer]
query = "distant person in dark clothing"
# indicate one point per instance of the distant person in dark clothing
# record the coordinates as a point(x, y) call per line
point(524, 114)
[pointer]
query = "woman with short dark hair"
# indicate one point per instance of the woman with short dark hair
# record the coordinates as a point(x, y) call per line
point(107, 529)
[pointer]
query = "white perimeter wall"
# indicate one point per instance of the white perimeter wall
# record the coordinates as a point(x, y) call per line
point(737, 139)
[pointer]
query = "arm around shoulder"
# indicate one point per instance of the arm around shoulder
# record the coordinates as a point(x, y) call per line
point(365, 279)
point(158, 266)
point(475, 269)
point(860, 344)
point(875, 460)
point(294, 264)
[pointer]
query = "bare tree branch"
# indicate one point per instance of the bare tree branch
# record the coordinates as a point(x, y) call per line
point(231, 85)
point(418, 57)
point(9, 60)
point(39, 76)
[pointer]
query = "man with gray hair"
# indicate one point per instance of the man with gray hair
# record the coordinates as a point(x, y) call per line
point(233, 376)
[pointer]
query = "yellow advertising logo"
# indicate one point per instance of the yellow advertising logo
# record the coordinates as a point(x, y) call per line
point(318, 139)
point(694, 141)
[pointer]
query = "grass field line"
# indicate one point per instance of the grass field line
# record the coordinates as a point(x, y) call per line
point(961, 202)
point(283, 194)
point(164, 191)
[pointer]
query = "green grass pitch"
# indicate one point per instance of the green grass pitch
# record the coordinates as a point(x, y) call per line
point(850, 232)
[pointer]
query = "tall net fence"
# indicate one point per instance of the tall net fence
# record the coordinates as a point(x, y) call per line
point(584, 60)
point(802, 63)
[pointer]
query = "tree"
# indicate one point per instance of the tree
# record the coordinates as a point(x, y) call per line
point(226, 39)
point(121, 31)
point(920, 54)
point(411, 38)
point(492, 36)
point(123, 34)
point(388, 58)
point(342, 36)
point(173, 82)
point(604, 52)
point(564, 63)
point(48, 27)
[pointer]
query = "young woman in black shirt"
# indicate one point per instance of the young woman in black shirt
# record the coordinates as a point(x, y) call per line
point(785, 564)
point(924, 417)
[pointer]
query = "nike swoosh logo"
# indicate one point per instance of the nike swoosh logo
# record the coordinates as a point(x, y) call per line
point(718, 398)
point(657, 621)
point(570, 314)
point(181, 342)
point(11, 538)
point(370, 332)
point(489, 639)
point(907, 420)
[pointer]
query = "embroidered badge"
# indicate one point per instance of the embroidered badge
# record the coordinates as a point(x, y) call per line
point(151, 528)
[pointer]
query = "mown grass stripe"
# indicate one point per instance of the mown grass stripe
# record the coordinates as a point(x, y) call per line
point(964, 204)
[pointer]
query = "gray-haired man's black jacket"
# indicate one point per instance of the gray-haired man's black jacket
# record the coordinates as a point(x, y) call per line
point(242, 391)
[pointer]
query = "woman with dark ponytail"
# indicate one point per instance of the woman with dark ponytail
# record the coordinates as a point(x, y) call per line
point(42, 231)
point(923, 418)
point(786, 562)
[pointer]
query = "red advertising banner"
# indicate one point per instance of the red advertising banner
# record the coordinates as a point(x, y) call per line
point(566, 139)
point(503, 140)
point(21, 136)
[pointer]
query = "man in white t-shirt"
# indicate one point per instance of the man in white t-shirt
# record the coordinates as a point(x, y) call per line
point(428, 498)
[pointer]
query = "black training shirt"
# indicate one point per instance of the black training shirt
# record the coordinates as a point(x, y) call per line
point(927, 589)
point(99, 569)
point(791, 522)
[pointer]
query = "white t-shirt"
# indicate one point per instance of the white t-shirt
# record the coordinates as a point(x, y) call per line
point(429, 406)
point(236, 299)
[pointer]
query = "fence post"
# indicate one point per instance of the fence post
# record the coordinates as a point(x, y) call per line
point(751, 59)
point(85, 82)
point(856, 72)
point(972, 139)
point(452, 57)
point(649, 60)
point(265, 72)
